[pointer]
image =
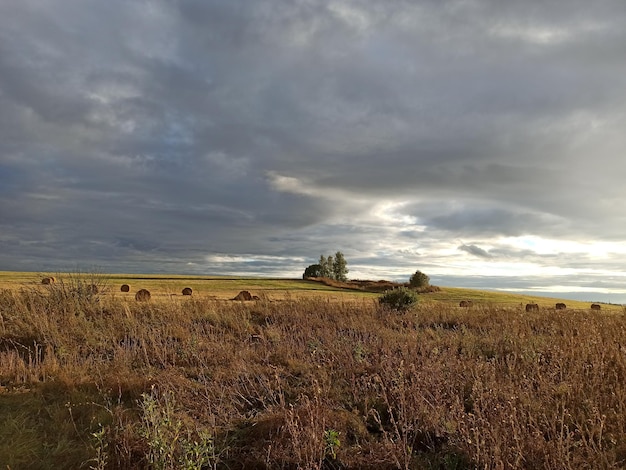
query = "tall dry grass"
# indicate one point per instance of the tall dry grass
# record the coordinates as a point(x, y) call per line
point(103, 382)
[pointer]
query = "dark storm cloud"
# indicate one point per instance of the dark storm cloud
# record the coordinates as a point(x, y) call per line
point(153, 135)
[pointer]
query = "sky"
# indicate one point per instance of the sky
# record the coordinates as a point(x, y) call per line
point(479, 141)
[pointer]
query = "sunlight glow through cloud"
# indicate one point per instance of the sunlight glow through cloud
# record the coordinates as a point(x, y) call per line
point(543, 246)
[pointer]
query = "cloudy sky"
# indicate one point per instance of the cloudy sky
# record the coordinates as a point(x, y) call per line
point(479, 141)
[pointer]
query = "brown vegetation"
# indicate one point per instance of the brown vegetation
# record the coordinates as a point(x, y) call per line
point(271, 383)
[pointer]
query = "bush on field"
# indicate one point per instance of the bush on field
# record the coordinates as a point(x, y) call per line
point(398, 299)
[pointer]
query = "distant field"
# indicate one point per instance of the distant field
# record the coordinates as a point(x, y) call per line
point(224, 288)
point(456, 294)
point(217, 287)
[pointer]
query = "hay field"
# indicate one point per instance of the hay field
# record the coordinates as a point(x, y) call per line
point(206, 287)
point(101, 381)
point(163, 286)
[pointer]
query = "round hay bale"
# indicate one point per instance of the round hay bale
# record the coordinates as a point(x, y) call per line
point(532, 307)
point(595, 307)
point(560, 306)
point(466, 303)
point(142, 295)
point(47, 280)
point(243, 295)
point(125, 288)
point(187, 291)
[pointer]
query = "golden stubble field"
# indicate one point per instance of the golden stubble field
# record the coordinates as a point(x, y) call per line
point(167, 286)
point(163, 286)
point(296, 381)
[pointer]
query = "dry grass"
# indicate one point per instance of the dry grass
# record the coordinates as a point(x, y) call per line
point(104, 382)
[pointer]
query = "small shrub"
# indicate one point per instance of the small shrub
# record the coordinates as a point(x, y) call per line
point(398, 299)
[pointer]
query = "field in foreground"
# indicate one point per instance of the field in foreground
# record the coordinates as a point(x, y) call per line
point(98, 381)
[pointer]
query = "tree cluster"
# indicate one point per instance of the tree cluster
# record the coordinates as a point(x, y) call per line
point(330, 267)
point(419, 280)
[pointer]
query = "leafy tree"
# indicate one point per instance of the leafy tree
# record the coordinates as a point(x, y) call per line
point(419, 279)
point(340, 267)
point(314, 270)
point(325, 271)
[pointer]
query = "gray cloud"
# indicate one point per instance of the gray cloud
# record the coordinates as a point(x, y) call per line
point(158, 135)
point(475, 251)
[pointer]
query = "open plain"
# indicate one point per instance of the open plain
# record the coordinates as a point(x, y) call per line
point(307, 376)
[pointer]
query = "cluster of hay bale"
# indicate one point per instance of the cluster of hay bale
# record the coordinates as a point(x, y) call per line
point(144, 295)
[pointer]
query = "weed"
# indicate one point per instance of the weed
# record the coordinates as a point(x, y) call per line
point(331, 443)
point(100, 443)
point(171, 443)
